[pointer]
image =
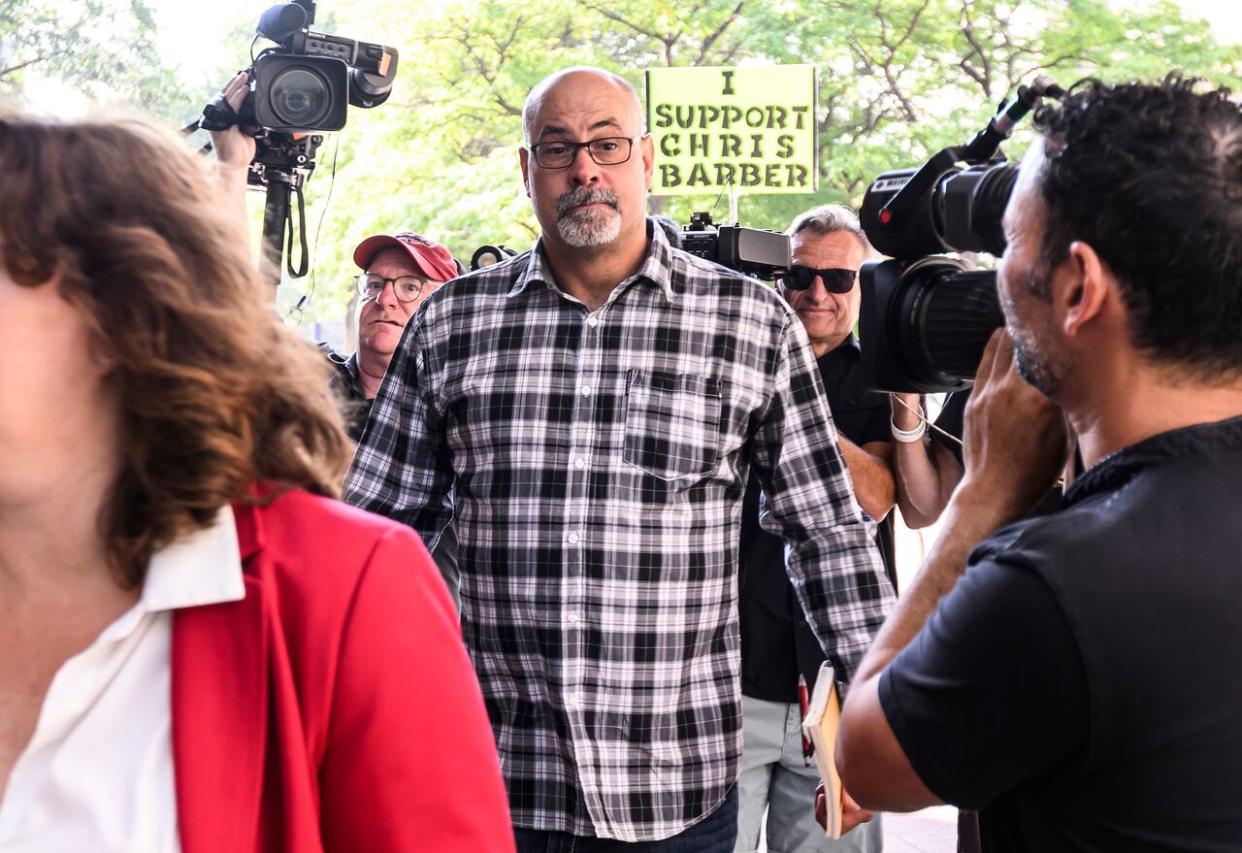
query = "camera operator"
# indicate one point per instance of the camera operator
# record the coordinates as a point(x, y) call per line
point(1104, 636)
point(828, 248)
point(399, 272)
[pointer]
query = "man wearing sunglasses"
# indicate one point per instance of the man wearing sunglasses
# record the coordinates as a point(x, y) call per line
point(778, 646)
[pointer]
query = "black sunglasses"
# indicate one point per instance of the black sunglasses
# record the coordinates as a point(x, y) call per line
point(835, 280)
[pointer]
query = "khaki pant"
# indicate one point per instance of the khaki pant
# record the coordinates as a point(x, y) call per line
point(776, 780)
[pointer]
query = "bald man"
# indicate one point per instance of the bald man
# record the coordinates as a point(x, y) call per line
point(588, 413)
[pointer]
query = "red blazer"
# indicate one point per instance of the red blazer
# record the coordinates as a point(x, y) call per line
point(334, 708)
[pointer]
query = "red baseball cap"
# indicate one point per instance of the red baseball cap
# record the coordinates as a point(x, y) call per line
point(435, 261)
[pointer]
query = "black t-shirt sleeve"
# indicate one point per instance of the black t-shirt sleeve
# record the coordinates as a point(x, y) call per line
point(992, 690)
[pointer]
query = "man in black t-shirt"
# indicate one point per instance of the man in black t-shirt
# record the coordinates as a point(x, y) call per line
point(777, 644)
point(926, 470)
point(1076, 678)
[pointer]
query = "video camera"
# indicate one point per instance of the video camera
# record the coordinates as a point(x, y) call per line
point(489, 254)
point(306, 83)
point(298, 89)
point(753, 251)
point(926, 318)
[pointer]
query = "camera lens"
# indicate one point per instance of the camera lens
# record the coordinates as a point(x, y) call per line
point(300, 98)
point(941, 318)
point(972, 204)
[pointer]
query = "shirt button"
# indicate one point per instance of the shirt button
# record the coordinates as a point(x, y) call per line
point(572, 618)
point(586, 390)
point(572, 538)
point(592, 321)
point(580, 463)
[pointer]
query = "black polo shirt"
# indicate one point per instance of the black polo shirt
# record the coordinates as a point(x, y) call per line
point(777, 643)
point(1082, 684)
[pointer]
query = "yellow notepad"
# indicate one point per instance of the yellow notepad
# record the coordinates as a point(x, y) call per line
point(823, 717)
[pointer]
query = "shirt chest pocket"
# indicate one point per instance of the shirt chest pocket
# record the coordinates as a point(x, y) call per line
point(672, 423)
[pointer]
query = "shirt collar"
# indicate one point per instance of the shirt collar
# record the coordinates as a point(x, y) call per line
point(847, 347)
point(1115, 471)
point(536, 269)
point(202, 568)
point(656, 268)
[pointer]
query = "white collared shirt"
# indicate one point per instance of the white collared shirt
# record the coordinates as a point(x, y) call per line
point(97, 774)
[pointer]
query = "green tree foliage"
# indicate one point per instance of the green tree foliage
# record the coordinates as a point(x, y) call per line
point(898, 80)
point(104, 48)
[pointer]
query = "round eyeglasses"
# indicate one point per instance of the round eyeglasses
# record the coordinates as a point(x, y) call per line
point(406, 288)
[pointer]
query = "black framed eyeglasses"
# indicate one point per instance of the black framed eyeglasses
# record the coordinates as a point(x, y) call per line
point(836, 280)
point(608, 151)
point(406, 288)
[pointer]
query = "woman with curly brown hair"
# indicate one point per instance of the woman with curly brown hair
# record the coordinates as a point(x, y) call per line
point(199, 649)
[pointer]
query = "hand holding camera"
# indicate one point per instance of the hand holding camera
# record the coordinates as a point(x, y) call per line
point(290, 94)
point(1016, 442)
point(234, 147)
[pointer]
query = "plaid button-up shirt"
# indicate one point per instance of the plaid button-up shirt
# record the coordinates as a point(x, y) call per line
point(594, 464)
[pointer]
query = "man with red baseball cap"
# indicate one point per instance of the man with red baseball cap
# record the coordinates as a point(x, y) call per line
point(399, 272)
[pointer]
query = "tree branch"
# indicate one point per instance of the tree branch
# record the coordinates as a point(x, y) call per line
point(718, 32)
point(613, 16)
point(981, 76)
point(1053, 63)
point(13, 69)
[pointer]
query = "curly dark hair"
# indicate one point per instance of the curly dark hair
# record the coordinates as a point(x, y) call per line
point(1150, 176)
point(216, 392)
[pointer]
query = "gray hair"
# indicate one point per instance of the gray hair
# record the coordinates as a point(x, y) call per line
point(830, 219)
point(541, 88)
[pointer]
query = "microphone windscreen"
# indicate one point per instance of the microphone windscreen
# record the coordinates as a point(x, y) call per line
point(280, 22)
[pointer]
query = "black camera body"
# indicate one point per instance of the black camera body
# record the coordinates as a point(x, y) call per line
point(961, 212)
point(489, 254)
point(306, 83)
point(298, 89)
point(297, 93)
point(753, 251)
point(926, 318)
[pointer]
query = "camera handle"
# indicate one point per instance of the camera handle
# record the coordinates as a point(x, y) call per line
point(283, 167)
point(979, 150)
point(278, 225)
